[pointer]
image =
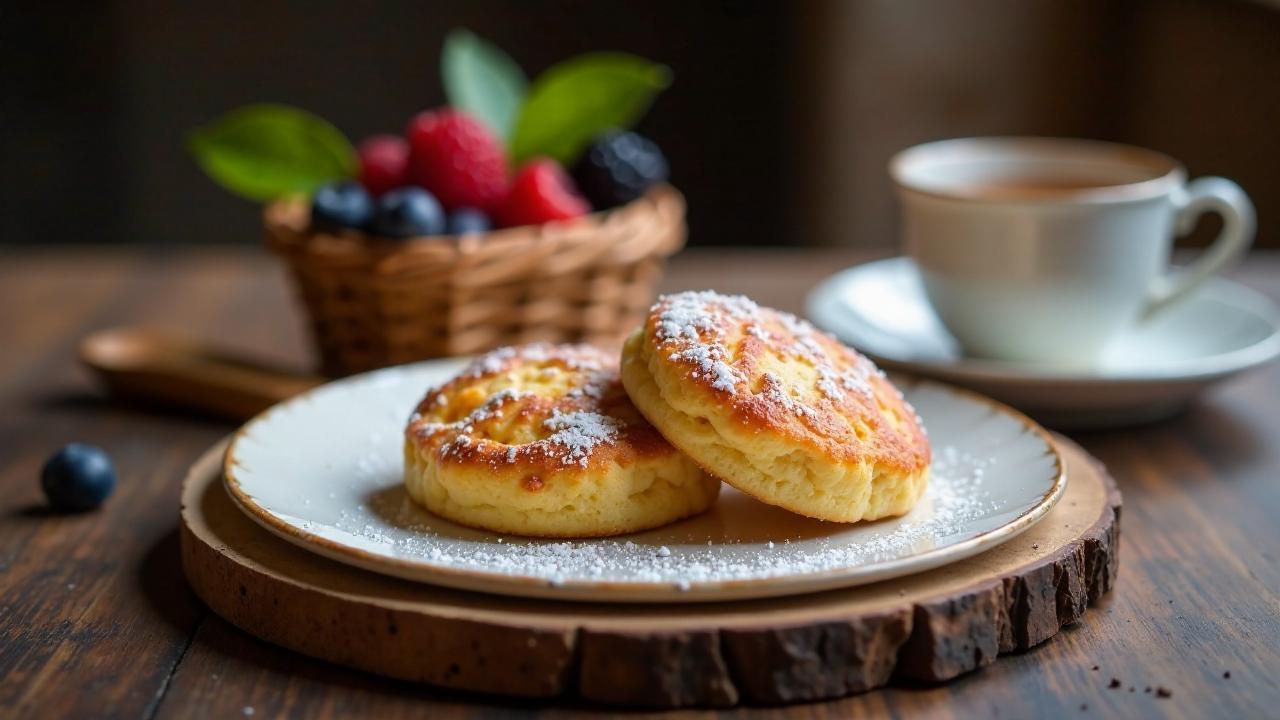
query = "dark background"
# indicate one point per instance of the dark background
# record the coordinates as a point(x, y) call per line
point(778, 126)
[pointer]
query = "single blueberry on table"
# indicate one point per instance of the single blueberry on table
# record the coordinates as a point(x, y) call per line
point(78, 477)
point(468, 220)
point(408, 212)
point(341, 205)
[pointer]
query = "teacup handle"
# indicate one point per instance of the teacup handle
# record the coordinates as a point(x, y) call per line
point(1206, 194)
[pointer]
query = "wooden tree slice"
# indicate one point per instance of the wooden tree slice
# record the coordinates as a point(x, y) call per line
point(928, 627)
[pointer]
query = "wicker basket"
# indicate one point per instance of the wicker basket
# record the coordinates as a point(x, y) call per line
point(375, 302)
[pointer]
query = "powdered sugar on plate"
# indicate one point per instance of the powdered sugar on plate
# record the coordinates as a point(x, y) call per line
point(328, 465)
point(688, 555)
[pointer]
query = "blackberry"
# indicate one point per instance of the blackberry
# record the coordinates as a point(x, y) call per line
point(618, 168)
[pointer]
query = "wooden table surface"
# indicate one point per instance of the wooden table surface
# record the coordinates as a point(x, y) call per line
point(97, 621)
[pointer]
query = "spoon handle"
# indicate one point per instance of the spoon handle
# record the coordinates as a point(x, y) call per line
point(182, 373)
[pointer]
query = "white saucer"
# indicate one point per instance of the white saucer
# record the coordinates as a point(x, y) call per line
point(324, 471)
point(1222, 330)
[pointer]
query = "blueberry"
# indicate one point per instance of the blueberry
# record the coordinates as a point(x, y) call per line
point(618, 168)
point(408, 212)
point(341, 205)
point(78, 477)
point(468, 220)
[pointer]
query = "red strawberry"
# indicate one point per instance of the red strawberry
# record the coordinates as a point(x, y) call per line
point(542, 191)
point(384, 163)
point(456, 157)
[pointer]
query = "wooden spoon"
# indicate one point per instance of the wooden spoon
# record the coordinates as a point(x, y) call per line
point(158, 367)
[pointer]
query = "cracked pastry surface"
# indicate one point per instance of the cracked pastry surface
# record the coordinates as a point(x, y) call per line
point(542, 440)
point(776, 408)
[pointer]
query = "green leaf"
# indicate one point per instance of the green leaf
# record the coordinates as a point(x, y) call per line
point(262, 152)
point(482, 80)
point(573, 102)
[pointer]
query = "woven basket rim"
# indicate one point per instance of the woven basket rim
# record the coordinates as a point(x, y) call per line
point(287, 222)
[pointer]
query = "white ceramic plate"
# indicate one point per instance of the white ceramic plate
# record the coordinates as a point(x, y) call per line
point(1220, 331)
point(323, 471)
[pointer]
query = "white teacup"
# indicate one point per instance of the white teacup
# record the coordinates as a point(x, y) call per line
point(1044, 250)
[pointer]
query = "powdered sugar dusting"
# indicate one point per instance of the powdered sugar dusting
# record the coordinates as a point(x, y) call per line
point(688, 320)
point(490, 408)
point(494, 361)
point(578, 433)
point(594, 386)
point(956, 497)
point(827, 385)
point(709, 362)
point(777, 394)
point(491, 363)
point(832, 382)
point(856, 379)
point(687, 315)
point(573, 434)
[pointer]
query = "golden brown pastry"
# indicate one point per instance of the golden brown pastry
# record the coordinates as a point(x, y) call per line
point(542, 440)
point(776, 408)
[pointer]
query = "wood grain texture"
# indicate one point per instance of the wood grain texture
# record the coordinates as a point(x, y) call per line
point(930, 627)
point(1199, 597)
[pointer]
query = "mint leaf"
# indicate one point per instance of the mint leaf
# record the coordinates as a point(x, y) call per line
point(262, 152)
point(482, 80)
point(573, 102)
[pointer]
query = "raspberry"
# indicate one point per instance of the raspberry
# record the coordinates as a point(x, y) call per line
point(541, 192)
point(384, 164)
point(618, 168)
point(456, 157)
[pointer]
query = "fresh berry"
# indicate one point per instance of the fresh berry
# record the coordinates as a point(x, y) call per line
point(456, 157)
point(78, 477)
point(541, 192)
point(618, 168)
point(468, 220)
point(384, 164)
point(341, 205)
point(408, 212)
